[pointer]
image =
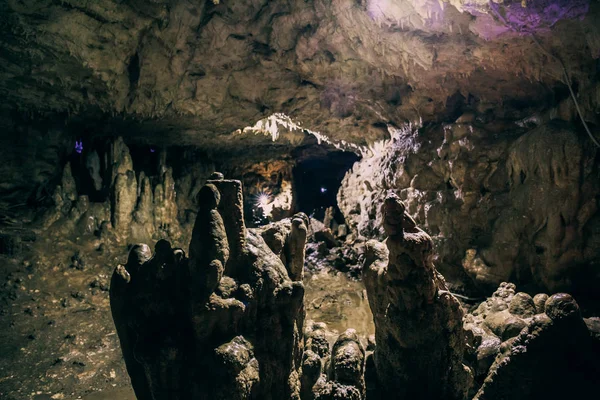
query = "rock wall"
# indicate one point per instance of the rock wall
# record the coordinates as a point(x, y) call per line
point(419, 334)
point(32, 155)
point(505, 200)
point(225, 323)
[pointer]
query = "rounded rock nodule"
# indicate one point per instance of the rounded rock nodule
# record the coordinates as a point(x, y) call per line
point(560, 306)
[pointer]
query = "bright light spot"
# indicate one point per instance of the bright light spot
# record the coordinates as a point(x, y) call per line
point(282, 201)
point(262, 200)
point(323, 190)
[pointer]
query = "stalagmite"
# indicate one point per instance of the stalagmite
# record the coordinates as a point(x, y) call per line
point(420, 339)
point(225, 323)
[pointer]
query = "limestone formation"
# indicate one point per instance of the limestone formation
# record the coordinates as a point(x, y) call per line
point(554, 357)
point(287, 239)
point(165, 206)
point(527, 348)
point(499, 318)
point(420, 339)
point(187, 187)
point(519, 206)
point(63, 197)
point(225, 323)
point(144, 226)
point(344, 67)
point(124, 201)
point(119, 158)
point(92, 163)
point(332, 373)
point(137, 207)
point(348, 362)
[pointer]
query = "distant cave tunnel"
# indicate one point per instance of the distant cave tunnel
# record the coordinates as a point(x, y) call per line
point(317, 181)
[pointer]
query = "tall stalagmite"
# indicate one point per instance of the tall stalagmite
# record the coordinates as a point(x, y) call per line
point(224, 324)
point(418, 323)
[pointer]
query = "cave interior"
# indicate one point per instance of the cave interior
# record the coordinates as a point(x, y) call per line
point(299, 199)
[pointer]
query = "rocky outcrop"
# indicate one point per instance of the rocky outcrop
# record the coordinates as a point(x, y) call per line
point(521, 205)
point(72, 213)
point(419, 335)
point(550, 228)
point(225, 323)
point(137, 208)
point(553, 357)
point(498, 319)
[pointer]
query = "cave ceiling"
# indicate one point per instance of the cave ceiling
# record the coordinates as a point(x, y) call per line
point(200, 70)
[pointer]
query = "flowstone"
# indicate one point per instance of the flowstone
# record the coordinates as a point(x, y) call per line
point(419, 335)
point(225, 323)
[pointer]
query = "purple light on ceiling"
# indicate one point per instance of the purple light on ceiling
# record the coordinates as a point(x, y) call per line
point(538, 14)
point(523, 16)
point(79, 146)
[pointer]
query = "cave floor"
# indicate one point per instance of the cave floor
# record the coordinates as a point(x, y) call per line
point(339, 301)
point(57, 337)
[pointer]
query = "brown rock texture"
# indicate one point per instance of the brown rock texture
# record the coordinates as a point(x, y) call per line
point(554, 357)
point(418, 329)
point(508, 201)
point(332, 372)
point(499, 318)
point(225, 323)
point(287, 239)
point(342, 67)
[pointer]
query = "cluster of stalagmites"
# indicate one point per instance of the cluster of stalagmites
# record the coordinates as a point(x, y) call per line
point(140, 208)
point(227, 322)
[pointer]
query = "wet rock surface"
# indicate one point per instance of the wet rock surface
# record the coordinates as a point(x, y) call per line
point(214, 310)
point(332, 371)
point(57, 339)
point(137, 207)
point(342, 67)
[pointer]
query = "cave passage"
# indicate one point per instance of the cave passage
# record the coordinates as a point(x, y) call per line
point(317, 180)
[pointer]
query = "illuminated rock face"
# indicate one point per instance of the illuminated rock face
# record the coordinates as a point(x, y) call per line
point(131, 206)
point(418, 323)
point(225, 323)
point(521, 205)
